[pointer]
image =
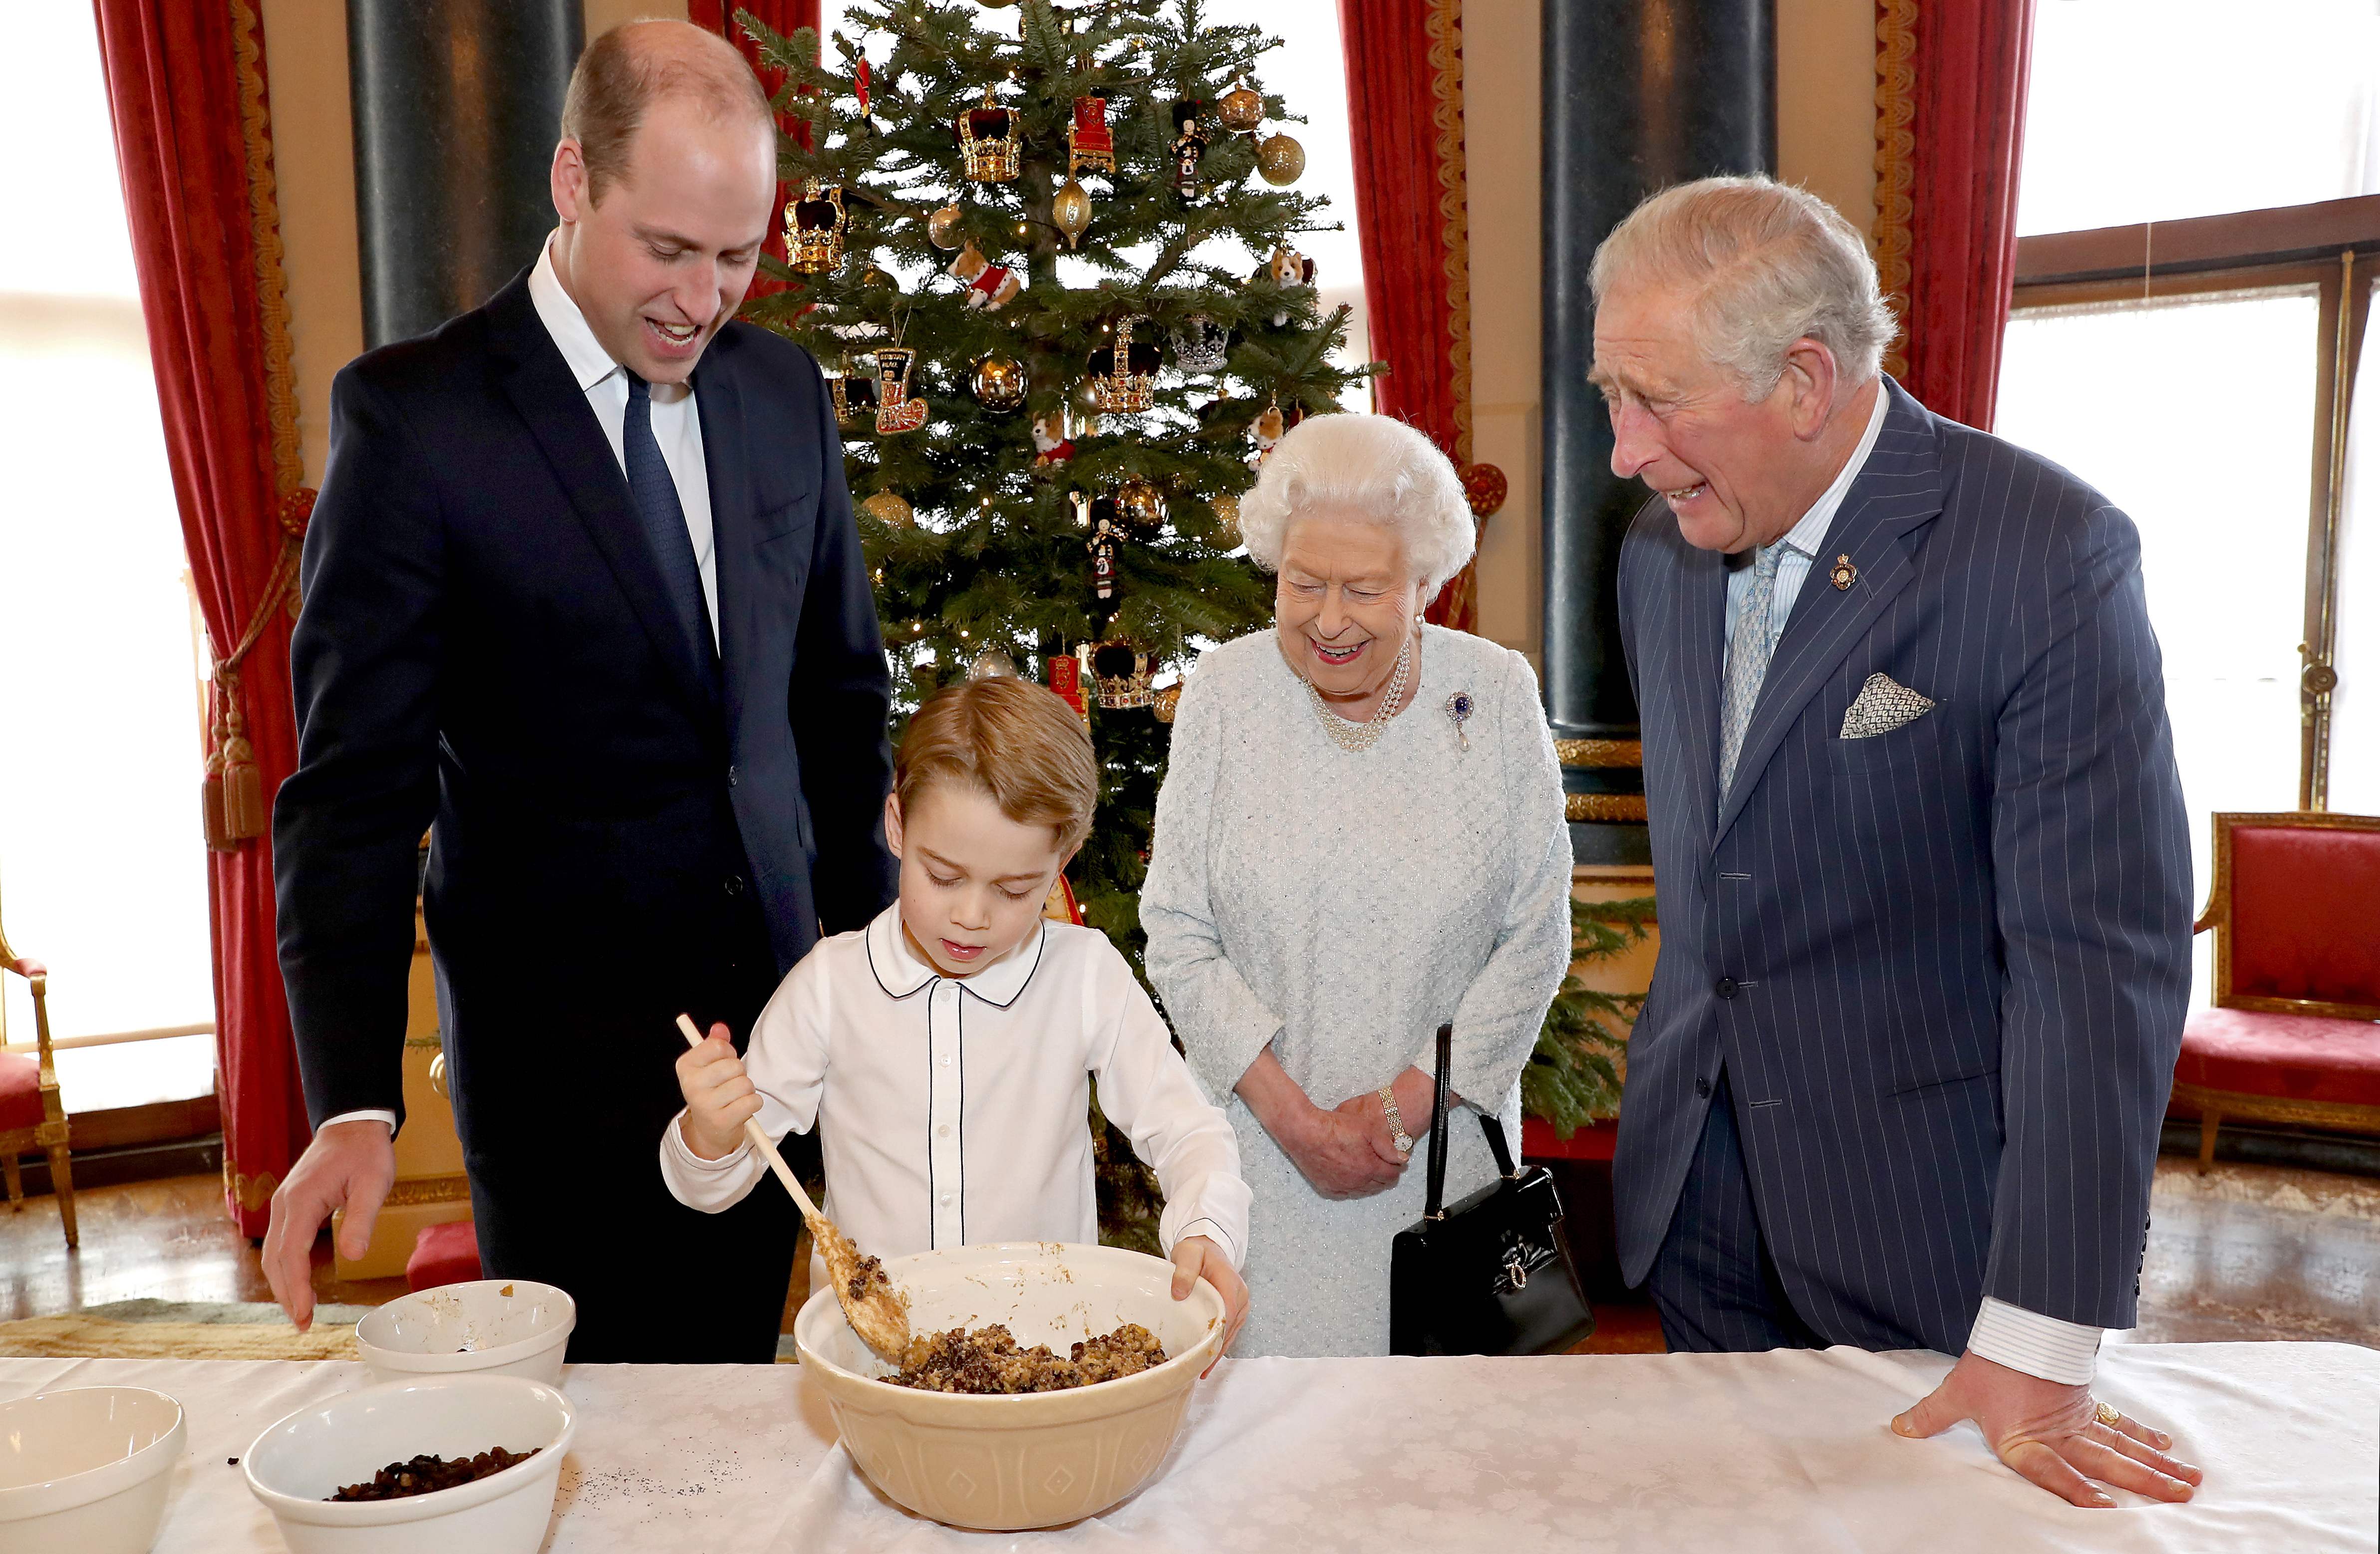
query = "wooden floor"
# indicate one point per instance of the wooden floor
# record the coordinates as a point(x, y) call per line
point(2245, 1252)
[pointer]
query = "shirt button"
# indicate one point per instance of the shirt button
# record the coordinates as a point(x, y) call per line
point(1725, 987)
point(942, 1131)
point(946, 1062)
point(735, 884)
point(946, 1200)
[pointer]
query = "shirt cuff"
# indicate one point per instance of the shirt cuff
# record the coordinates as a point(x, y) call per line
point(376, 1113)
point(1213, 1231)
point(2038, 1345)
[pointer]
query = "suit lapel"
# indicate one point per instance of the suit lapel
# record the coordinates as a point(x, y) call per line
point(721, 407)
point(541, 386)
point(1898, 492)
point(1701, 637)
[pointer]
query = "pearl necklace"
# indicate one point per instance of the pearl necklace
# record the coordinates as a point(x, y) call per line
point(1361, 737)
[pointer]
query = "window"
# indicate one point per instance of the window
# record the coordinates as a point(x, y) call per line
point(103, 874)
point(2199, 235)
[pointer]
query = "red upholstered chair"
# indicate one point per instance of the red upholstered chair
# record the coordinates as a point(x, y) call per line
point(447, 1254)
point(31, 1115)
point(2292, 1039)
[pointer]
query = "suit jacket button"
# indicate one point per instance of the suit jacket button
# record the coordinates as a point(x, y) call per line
point(1702, 1088)
point(735, 884)
point(1725, 987)
point(731, 776)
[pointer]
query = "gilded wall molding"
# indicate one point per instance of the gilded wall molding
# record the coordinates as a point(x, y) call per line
point(1896, 147)
point(1599, 752)
point(1603, 806)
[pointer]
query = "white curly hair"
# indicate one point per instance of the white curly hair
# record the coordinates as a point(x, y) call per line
point(1373, 466)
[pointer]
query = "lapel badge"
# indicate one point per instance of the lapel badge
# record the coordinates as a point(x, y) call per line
point(1845, 574)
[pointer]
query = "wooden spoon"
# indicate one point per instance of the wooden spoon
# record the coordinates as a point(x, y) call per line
point(875, 1311)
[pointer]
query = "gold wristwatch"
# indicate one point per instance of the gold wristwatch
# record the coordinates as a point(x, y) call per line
point(1403, 1140)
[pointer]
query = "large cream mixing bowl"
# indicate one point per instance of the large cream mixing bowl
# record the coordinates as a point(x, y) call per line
point(1028, 1460)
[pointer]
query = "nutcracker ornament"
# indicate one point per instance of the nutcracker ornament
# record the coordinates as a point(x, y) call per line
point(1104, 542)
point(897, 409)
point(815, 225)
point(988, 286)
point(1189, 150)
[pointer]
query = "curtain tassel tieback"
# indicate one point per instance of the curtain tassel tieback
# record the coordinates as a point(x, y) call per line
point(232, 805)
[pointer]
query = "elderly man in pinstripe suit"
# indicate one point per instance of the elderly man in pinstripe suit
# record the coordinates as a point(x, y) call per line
point(1919, 842)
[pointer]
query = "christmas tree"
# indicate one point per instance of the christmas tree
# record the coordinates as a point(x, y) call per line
point(1049, 254)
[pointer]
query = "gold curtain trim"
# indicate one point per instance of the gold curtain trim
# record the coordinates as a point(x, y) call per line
point(1599, 752)
point(265, 227)
point(1896, 146)
point(1444, 30)
point(1603, 806)
point(251, 1193)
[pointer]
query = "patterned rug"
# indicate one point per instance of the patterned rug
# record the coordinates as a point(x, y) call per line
point(155, 1329)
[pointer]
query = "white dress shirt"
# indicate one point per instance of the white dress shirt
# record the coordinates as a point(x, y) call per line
point(2008, 1335)
point(956, 1110)
point(677, 426)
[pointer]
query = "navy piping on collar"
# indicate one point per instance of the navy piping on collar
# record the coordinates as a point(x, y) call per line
point(1040, 943)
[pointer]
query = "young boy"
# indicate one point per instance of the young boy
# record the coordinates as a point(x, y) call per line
point(945, 1045)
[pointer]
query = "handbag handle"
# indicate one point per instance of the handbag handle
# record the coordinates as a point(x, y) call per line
point(1435, 1208)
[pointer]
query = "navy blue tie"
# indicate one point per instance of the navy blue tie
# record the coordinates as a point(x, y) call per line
point(664, 520)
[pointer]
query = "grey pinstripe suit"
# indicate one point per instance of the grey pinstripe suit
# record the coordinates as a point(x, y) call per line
point(1945, 968)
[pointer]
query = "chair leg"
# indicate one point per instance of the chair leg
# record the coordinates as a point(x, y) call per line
point(15, 1181)
point(2209, 1121)
point(62, 1184)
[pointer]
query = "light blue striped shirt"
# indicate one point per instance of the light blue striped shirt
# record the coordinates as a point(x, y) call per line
point(1801, 542)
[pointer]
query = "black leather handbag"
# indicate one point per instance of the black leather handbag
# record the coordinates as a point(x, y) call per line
point(1491, 1275)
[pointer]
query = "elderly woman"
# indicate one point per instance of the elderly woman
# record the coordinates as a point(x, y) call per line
point(1360, 838)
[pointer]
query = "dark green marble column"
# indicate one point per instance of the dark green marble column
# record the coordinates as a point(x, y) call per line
point(1638, 95)
point(457, 104)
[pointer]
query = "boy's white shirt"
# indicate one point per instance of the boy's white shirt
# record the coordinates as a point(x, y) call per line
point(954, 1108)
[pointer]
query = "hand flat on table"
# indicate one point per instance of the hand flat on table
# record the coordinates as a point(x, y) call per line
point(2051, 1433)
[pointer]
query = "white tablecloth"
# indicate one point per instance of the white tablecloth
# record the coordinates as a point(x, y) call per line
point(1738, 1454)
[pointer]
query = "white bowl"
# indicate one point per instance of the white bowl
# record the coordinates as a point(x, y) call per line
point(298, 1462)
point(505, 1327)
point(1033, 1459)
point(86, 1469)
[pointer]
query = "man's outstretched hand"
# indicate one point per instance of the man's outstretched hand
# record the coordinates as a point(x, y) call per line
point(2052, 1433)
point(348, 1166)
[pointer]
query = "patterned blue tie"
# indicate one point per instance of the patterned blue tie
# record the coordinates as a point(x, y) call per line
point(664, 520)
point(1747, 663)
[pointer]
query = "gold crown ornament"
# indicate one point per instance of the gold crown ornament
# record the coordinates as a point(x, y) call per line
point(1123, 672)
point(1123, 376)
point(991, 139)
point(1200, 344)
point(814, 227)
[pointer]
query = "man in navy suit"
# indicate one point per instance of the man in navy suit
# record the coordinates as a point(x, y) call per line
point(1919, 842)
point(583, 587)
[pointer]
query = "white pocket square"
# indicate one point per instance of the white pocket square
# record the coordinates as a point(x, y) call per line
point(1884, 704)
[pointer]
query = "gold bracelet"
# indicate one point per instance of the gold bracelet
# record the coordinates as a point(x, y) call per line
point(1403, 1140)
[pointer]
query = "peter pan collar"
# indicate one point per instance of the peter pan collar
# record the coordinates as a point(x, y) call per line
point(900, 973)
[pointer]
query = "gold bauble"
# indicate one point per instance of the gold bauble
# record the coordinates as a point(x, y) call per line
point(1070, 208)
point(991, 664)
point(1137, 502)
point(1241, 110)
point(1085, 404)
point(1280, 159)
point(1226, 519)
point(943, 228)
point(1167, 700)
point(889, 508)
point(999, 383)
point(877, 280)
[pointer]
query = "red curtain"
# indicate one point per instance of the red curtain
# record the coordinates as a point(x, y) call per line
point(185, 86)
point(781, 17)
point(1951, 133)
point(1405, 86)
